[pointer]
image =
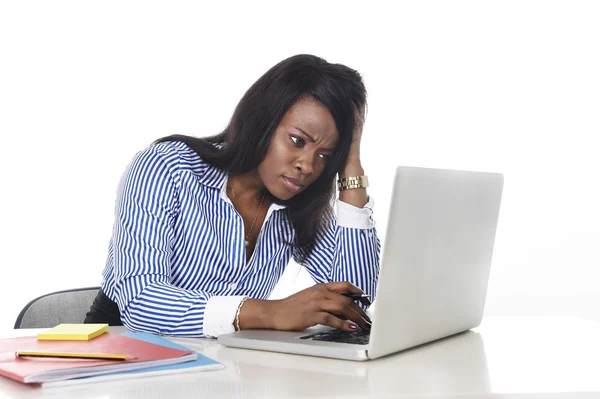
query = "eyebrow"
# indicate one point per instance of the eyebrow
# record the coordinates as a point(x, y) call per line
point(311, 138)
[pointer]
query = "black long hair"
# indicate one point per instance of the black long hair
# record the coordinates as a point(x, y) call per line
point(243, 144)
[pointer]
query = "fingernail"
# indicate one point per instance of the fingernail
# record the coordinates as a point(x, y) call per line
point(353, 326)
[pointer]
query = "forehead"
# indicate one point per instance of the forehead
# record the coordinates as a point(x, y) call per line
point(313, 118)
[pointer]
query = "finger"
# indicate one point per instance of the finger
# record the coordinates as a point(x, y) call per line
point(366, 301)
point(348, 309)
point(361, 313)
point(354, 306)
point(343, 287)
point(328, 319)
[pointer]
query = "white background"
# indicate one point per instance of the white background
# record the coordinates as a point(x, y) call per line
point(511, 87)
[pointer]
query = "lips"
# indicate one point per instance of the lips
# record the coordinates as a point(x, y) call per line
point(294, 185)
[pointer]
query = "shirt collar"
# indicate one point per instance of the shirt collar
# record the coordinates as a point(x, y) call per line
point(213, 176)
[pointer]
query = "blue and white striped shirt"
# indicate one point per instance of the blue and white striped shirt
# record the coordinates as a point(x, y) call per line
point(177, 260)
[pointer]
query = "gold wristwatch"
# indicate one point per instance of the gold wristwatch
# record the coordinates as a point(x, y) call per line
point(349, 183)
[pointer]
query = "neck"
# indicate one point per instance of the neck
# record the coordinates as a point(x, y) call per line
point(248, 187)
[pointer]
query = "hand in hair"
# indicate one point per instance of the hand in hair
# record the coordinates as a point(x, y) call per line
point(359, 121)
point(320, 304)
point(353, 166)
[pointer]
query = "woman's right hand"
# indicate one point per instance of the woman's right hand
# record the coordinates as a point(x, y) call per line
point(320, 304)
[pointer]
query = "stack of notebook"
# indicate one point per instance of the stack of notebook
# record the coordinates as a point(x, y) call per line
point(74, 354)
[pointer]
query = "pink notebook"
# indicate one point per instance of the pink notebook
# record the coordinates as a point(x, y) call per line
point(36, 370)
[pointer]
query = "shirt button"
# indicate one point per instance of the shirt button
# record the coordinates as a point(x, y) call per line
point(233, 286)
point(370, 234)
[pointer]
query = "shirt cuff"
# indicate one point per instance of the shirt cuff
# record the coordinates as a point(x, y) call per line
point(219, 314)
point(355, 218)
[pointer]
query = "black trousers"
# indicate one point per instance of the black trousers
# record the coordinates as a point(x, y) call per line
point(103, 310)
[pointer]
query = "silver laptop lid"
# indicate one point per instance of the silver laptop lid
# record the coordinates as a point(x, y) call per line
point(436, 256)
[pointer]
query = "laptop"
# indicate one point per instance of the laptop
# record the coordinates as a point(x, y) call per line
point(434, 270)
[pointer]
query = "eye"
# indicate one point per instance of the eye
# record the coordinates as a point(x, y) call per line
point(325, 157)
point(298, 142)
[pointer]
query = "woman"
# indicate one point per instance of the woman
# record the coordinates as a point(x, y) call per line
point(204, 228)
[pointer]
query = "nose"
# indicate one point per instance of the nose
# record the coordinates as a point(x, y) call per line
point(304, 165)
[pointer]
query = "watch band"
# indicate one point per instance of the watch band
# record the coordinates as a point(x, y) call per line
point(349, 183)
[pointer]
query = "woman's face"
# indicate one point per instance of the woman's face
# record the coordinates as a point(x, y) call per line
point(300, 148)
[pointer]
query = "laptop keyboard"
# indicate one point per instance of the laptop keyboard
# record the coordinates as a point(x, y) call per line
point(355, 337)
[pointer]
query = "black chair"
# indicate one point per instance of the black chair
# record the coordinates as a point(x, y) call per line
point(69, 306)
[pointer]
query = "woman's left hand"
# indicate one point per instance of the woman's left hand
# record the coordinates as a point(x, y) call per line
point(359, 121)
point(353, 167)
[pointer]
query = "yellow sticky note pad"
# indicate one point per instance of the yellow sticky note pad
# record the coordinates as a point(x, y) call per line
point(73, 332)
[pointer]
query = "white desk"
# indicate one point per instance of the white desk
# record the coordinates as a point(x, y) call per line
point(524, 357)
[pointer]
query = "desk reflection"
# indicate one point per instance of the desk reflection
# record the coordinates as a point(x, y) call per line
point(452, 365)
